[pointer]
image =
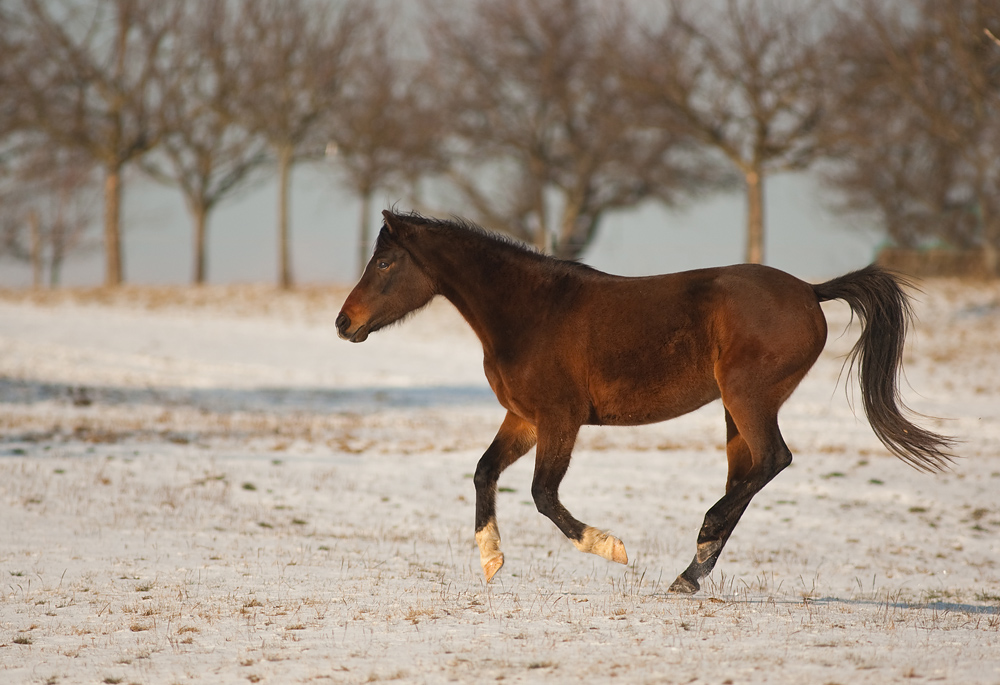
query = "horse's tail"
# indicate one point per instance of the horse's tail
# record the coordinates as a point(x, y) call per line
point(876, 296)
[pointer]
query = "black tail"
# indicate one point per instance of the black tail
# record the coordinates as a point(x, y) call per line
point(876, 296)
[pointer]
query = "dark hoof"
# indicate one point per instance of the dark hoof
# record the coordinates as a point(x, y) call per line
point(683, 586)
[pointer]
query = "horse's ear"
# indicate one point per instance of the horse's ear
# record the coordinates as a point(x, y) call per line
point(392, 222)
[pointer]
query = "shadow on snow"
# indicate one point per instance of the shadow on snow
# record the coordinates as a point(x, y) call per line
point(281, 400)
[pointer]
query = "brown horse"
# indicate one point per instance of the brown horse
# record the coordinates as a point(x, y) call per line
point(566, 345)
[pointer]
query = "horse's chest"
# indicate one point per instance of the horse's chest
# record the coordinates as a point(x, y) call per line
point(508, 390)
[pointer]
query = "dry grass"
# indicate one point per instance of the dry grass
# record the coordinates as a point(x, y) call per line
point(274, 599)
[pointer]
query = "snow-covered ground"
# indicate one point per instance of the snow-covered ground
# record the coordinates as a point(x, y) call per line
point(208, 486)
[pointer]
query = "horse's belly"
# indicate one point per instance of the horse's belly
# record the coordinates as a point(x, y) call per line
point(637, 406)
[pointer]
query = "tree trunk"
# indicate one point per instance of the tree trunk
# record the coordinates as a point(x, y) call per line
point(564, 248)
point(570, 245)
point(585, 228)
point(55, 265)
point(284, 177)
point(112, 234)
point(543, 238)
point(55, 272)
point(755, 217)
point(543, 241)
point(57, 244)
point(34, 225)
point(991, 258)
point(113, 275)
point(365, 234)
point(200, 215)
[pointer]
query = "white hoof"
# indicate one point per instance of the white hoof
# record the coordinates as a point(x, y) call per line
point(491, 566)
point(490, 556)
point(602, 544)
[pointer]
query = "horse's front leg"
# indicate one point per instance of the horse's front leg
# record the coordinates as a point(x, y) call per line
point(515, 437)
point(552, 459)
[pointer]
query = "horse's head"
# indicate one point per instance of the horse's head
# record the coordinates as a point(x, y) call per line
point(392, 285)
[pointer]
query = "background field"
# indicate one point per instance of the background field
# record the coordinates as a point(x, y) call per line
point(206, 485)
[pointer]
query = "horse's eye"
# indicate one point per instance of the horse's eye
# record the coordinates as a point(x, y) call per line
point(383, 265)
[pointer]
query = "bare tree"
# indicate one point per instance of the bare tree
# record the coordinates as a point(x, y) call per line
point(10, 50)
point(93, 84)
point(17, 57)
point(51, 201)
point(384, 133)
point(916, 137)
point(292, 59)
point(204, 150)
point(546, 137)
point(742, 77)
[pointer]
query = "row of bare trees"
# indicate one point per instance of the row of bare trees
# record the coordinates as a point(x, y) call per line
point(916, 138)
point(199, 95)
point(537, 117)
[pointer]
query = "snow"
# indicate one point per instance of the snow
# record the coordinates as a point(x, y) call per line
point(208, 486)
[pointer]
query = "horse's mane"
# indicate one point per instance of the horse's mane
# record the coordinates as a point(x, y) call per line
point(503, 242)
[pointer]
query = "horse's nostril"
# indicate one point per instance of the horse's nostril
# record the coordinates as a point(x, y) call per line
point(342, 322)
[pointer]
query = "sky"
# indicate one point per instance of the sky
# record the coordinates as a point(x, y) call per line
point(803, 235)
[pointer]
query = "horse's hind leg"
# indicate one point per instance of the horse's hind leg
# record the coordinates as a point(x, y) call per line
point(747, 476)
point(737, 454)
point(515, 437)
point(551, 462)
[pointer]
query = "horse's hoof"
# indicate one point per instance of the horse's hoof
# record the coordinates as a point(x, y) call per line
point(617, 551)
point(683, 586)
point(602, 544)
point(491, 566)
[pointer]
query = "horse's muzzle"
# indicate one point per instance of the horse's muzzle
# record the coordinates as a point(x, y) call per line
point(344, 329)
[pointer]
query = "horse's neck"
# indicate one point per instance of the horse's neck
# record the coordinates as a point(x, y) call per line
point(495, 296)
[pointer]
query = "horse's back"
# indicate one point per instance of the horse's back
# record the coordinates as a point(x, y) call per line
point(707, 304)
point(662, 346)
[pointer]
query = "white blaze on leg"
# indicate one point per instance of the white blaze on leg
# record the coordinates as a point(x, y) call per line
point(490, 555)
point(602, 544)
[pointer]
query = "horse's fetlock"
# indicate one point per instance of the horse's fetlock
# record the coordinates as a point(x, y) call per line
point(708, 550)
point(543, 501)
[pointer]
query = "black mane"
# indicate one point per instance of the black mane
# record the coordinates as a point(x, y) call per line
point(459, 226)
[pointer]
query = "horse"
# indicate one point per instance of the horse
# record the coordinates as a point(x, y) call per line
point(566, 345)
